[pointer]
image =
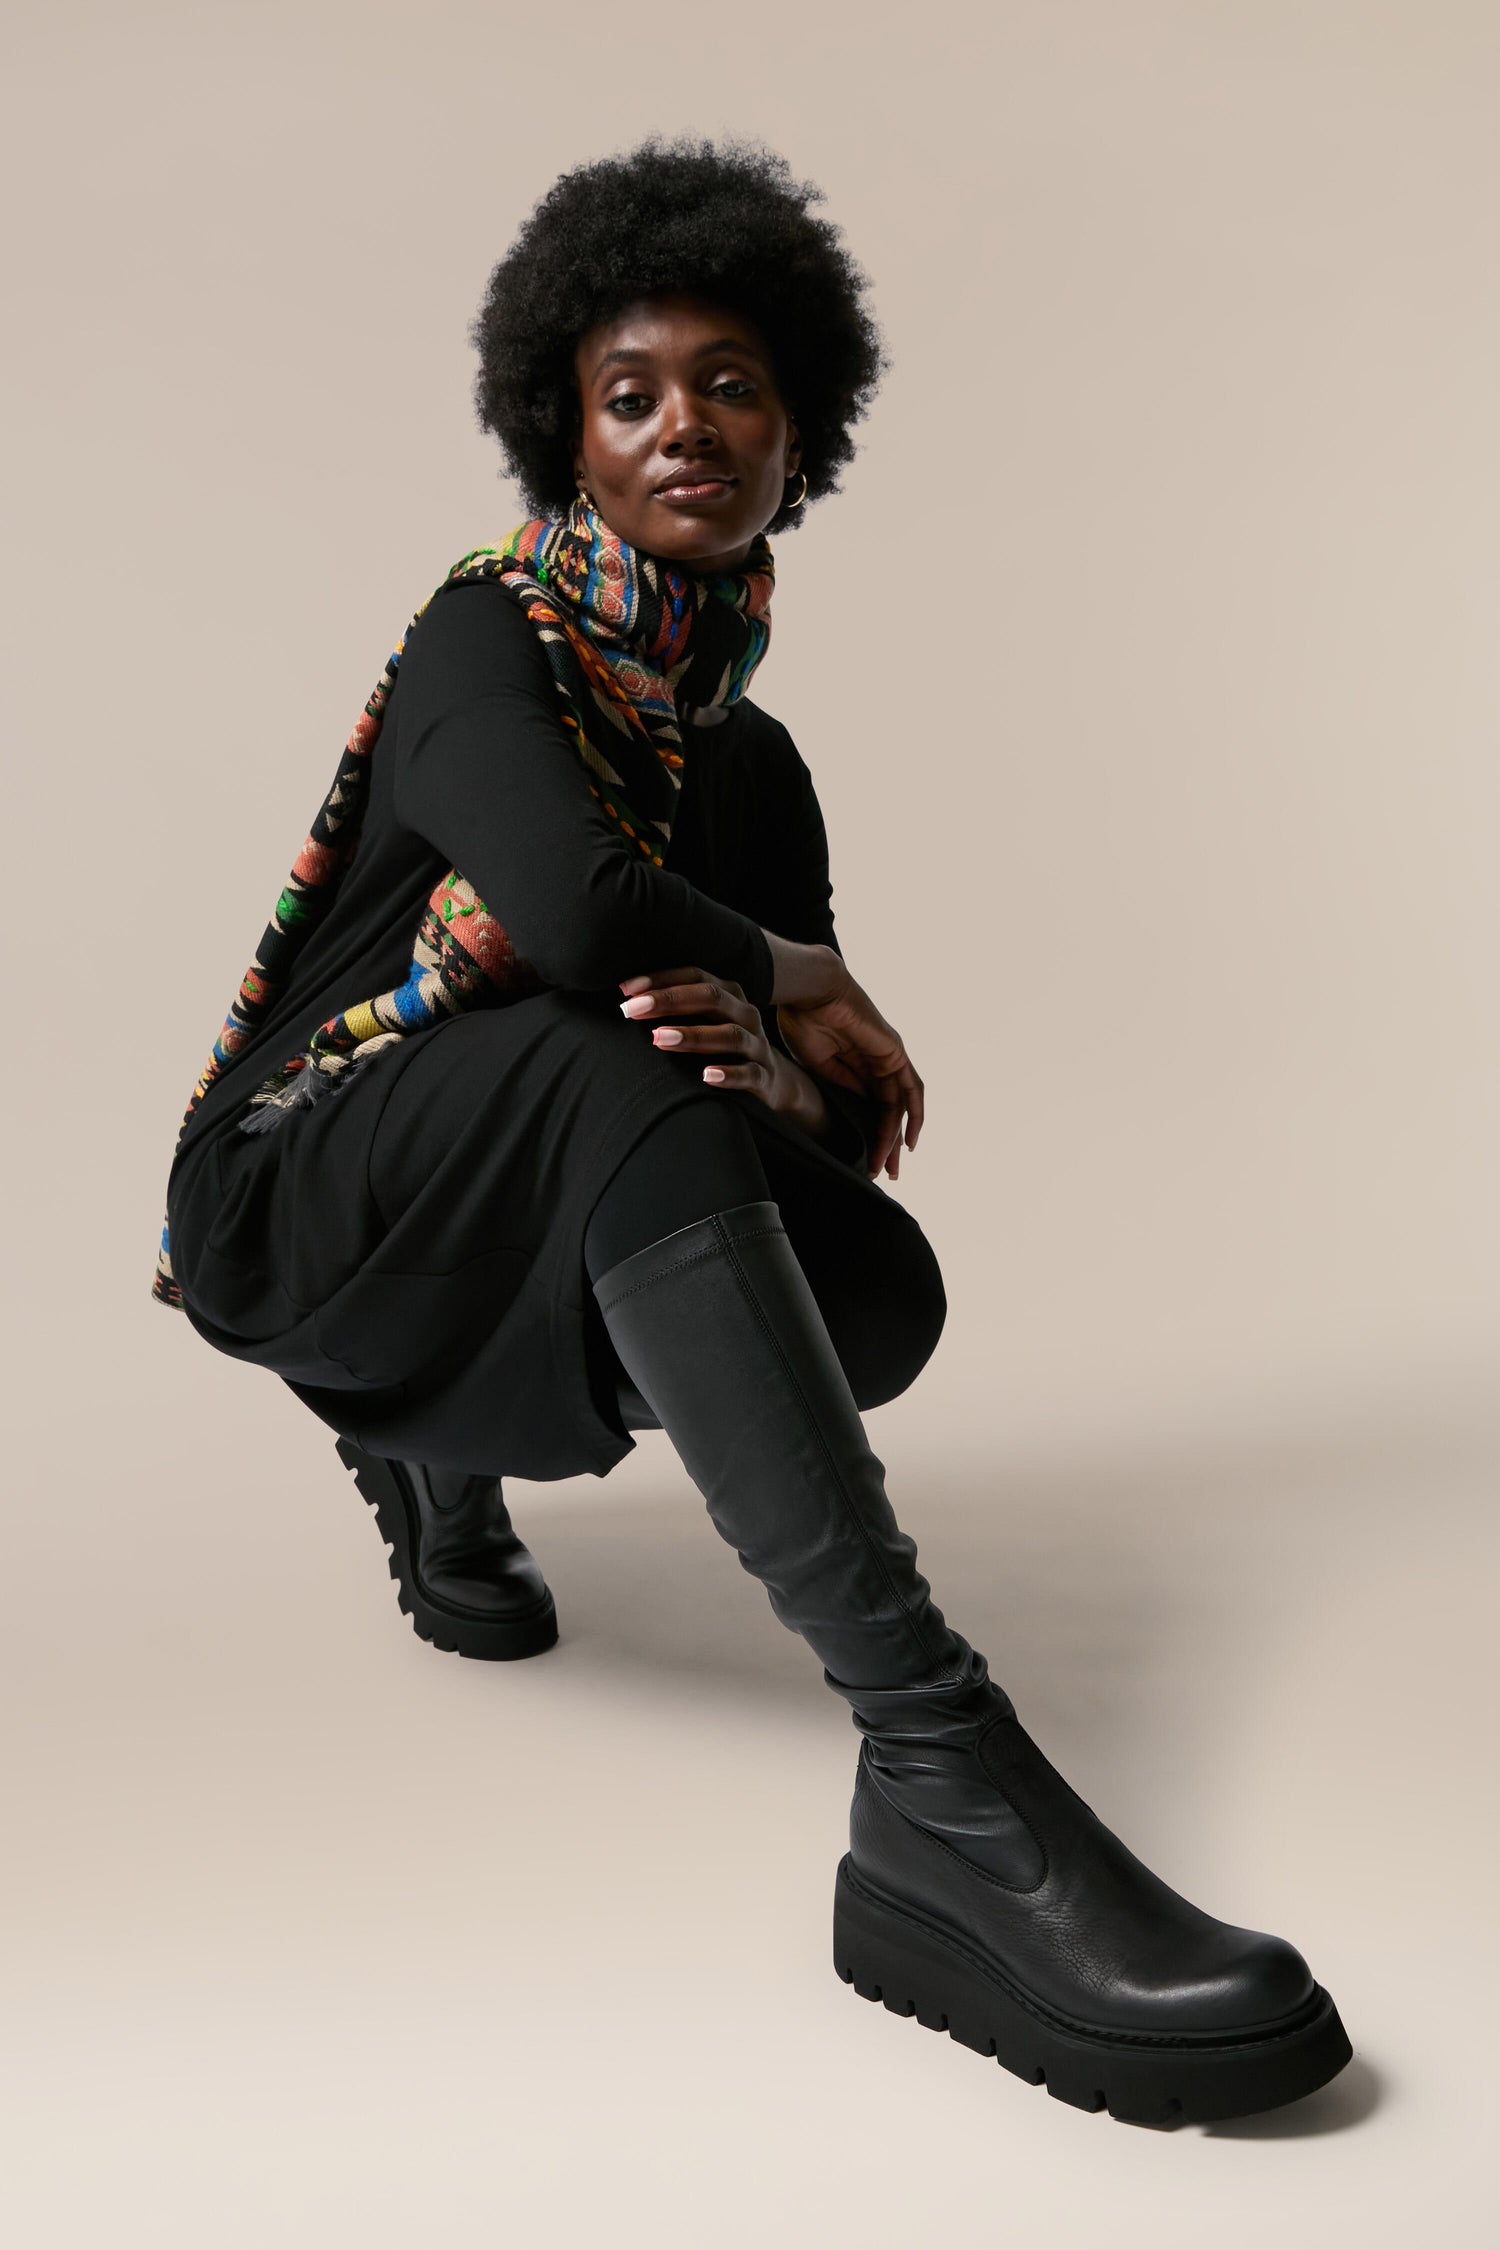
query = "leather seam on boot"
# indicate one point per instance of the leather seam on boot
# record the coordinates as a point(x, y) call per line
point(747, 1290)
point(982, 1874)
point(690, 1258)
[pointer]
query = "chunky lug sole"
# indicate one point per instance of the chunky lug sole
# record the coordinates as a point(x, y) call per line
point(890, 1952)
point(456, 1631)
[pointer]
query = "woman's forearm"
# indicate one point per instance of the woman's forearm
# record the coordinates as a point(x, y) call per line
point(579, 903)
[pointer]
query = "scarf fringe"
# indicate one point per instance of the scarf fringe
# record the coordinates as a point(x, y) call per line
point(310, 1085)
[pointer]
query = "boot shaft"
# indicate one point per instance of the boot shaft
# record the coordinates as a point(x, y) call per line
point(718, 1328)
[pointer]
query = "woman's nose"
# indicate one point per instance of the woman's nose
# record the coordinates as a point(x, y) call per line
point(685, 425)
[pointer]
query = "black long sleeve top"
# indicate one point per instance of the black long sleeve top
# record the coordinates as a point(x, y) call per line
point(472, 771)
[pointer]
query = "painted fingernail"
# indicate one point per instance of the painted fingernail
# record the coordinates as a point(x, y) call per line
point(639, 1006)
point(665, 1036)
point(714, 1077)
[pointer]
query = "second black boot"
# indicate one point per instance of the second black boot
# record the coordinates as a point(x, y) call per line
point(979, 1892)
point(462, 1575)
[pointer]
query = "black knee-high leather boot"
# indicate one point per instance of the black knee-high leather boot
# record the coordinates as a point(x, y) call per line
point(462, 1575)
point(979, 1892)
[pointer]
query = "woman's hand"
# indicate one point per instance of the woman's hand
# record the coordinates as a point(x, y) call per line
point(727, 1027)
point(833, 1026)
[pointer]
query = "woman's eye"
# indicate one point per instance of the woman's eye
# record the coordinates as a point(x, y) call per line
point(629, 404)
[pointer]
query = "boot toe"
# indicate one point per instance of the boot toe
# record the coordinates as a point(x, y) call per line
point(1241, 1980)
point(1265, 1982)
point(510, 1593)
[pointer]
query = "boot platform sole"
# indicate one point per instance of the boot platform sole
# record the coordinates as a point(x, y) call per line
point(457, 1632)
point(890, 1953)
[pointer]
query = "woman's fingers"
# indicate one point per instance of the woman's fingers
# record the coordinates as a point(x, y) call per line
point(732, 1025)
point(914, 1094)
point(846, 1041)
point(749, 1077)
point(888, 1132)
point(708, 1038)
point(685, 993)
point(900, 1094)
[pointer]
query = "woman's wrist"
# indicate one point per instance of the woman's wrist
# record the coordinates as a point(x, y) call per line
point(804, 976)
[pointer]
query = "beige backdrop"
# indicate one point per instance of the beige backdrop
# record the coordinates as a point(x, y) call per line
point(1146, 670)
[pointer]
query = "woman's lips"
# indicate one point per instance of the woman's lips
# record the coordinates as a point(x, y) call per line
point(696, 495)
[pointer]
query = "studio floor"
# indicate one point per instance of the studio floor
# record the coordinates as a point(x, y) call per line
point(316, 1936)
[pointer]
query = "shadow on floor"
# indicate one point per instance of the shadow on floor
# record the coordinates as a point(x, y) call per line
point(1096, 1592)
point(1064, 1584)
point(1356, 2093)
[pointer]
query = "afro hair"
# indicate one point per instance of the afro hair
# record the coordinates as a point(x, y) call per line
point(724, 222)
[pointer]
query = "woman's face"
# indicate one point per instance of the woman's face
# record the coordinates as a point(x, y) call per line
point(684, 441)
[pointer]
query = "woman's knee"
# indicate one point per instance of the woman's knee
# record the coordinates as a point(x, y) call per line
point(884, 1306)
point(882, 1360)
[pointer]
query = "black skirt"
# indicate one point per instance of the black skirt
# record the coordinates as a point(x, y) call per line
point(407, 1253)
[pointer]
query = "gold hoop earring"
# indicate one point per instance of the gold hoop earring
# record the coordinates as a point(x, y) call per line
point(802, 495)
point(587, 497)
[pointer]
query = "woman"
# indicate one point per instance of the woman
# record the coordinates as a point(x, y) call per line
point(483, 1214)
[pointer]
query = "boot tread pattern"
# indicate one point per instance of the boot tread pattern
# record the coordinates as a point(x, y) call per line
point(896, 1959)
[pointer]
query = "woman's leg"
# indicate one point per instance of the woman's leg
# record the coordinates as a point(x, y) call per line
point(462, 1573)
point(699, 1158)
point(979, 1891)
point(703, 1157)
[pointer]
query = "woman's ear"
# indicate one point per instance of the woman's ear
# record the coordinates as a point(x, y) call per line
point(793, 449)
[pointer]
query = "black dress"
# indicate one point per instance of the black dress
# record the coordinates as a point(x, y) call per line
point(407, 1253)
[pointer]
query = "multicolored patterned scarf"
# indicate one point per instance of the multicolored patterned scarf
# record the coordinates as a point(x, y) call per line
point(631, 640)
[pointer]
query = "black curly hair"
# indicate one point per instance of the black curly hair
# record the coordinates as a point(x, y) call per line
point(727, 222)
